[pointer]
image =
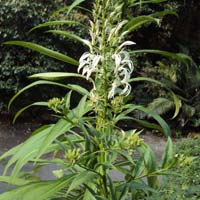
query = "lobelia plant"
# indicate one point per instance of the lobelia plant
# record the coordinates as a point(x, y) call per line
point(86, 142)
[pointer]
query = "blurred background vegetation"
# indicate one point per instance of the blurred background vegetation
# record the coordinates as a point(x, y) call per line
point(176, 34)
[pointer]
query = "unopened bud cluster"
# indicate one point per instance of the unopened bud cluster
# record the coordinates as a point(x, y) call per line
point(56, 104)
point(72, 155)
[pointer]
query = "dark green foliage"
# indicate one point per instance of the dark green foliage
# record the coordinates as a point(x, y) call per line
point(177, 34)
point(16, 19)
point(184, 81)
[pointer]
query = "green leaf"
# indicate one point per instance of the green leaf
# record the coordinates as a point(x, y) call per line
point(82, 106)
point(163, 124)
point(177, 101)
point(147, 124)
point(141, 2)
point(65, 8)
point(61, 127)
point(126, 156)
point(27, 107)
point(57, 12)
point(17, 181)
point(164, 13)
point(123, 114)
point(56, 75)
point(54, 23)
point(150, 164)
point(76, 88)
point(89, 195)
point(139, 168)
point(73, 5)
point(137, 22)
point(176, 56)
point(27, 151)
point(112, 188)
point(45, 51)
point(81, 178)
point(68, 100)
point(168, 154)
point(67, 34)
point(42, 190)
point(24, 152)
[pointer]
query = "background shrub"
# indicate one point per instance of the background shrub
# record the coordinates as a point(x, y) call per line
point(16, 19)
point(180, 35)
point(174, 34)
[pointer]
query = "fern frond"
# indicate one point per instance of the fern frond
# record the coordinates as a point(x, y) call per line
point(161, 105)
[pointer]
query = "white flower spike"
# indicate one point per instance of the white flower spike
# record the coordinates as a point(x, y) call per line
point(123, 69)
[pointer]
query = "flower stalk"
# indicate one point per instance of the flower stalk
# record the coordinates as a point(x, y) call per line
point(107, 63)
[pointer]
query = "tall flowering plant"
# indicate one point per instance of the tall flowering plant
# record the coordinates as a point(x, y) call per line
point(86, 142)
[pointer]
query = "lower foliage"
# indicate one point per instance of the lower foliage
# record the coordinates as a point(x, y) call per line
point(185, 184)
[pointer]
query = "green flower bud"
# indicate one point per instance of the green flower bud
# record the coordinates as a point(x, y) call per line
point(56, 104)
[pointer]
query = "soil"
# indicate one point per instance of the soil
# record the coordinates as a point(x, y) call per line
point(13, 134)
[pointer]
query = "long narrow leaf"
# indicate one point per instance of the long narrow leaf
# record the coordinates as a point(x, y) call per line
point(168, 154)
point(137, 22)
point(147, 124)
point(176, 56)
point(164, 13)
point(163, 124)
point(150, 164)
point(81, 106)
point(56, 75)
point(65, 8)
point(45, 51)
point(70, 86)
point(55, 23)
point(27, 107)
point(61, 127)
point(42, 190)
point(27, 148)
point(66, 34)
point(81, 178)
point(146, 2)
point(57, 12)
point(78, 88)
point(9, 180)
point(73, 5)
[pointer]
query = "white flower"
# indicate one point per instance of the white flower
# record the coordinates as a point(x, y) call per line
point(89, 64)
point(122, 72)
point(127, 43)
point(127, 89)
point(111, 93)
